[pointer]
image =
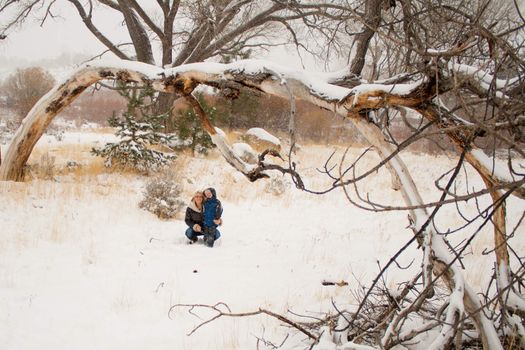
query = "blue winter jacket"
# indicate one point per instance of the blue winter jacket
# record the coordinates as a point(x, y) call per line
point(211, 209)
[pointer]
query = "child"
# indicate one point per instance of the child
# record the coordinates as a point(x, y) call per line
point(212, 211)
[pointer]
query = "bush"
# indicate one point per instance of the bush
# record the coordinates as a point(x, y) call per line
point(25, 87)
point(161, 197)
point(45, 169)
point(56, 131)
point(277, 186)
point(7, 130)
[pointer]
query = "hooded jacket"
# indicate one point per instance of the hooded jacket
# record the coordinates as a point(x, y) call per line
point(211, 209)
point(193, 215)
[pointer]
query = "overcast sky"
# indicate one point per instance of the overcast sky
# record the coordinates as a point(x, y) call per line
point(63, 34)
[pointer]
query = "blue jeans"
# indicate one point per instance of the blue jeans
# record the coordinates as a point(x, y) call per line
point(192, 235)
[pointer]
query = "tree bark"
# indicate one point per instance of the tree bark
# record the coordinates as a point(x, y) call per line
point(443, 265)
point(138, 35)
point(94, 30)
point(372, 20)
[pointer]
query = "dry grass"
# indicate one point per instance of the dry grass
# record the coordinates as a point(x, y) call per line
point(231, 335)
point(92, 166)
point(43, 210)
point(101, 130)
point(233, 136)
point(61, 152)
point(124, 301)
point(20, 242)
point(186, 167)
point(72, 160)
point(91, 169)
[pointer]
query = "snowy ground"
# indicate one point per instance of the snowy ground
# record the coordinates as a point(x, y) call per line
point(82, 267)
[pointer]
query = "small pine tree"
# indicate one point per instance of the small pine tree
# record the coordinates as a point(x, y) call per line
point(189, 128)
point(138, 130)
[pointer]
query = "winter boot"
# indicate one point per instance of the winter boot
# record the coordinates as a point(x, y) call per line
point(209, 240)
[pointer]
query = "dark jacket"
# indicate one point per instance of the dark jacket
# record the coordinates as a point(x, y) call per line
point(211, 209)
point(193, 216)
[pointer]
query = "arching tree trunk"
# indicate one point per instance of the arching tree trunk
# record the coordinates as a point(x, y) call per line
point(41, 115)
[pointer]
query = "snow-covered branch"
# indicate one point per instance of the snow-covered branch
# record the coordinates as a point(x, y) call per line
point(182, 80)
point(482, 80)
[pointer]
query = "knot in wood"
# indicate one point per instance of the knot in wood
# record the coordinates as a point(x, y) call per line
point(123, 76)
point(106, 74)
point(180, 85)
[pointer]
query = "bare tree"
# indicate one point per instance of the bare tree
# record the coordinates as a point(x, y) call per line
point(194, 30)
point(25, 87)
point(458, 68)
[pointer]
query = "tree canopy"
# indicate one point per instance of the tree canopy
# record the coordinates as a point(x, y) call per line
point(194, 30)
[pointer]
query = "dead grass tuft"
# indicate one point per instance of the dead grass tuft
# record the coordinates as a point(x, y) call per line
point(92, 169)
point(102, 130)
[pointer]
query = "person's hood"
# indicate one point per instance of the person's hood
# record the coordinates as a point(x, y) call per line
point(194, 207)
point(213, 192)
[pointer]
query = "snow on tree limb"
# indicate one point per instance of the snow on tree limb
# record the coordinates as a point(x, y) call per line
point(492, 171)
point(257, 74)
point(182, 80)
point(482, 79)
point(462, 139)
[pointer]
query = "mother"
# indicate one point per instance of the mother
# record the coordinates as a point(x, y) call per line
point(194, 218)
